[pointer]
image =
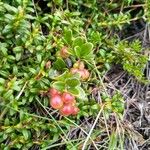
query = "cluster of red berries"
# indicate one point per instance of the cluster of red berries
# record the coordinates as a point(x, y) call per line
point(79, 68)
point(64, 102)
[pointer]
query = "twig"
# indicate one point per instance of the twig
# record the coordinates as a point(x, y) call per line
point(18, 96)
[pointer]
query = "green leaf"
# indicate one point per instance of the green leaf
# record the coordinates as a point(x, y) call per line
point(78, 41)
point(107, 65)
point(68, 36)
point(32, 70)
point(59, 64)
point(63, 76)
point(78, 91)
point(10, 8)
point(59, 85)
point(86, 49)
point(74, 91)
point(4, 73)
point(2, 81)
point(95, 37)
point(6, 122)
point(18, 56)
point(34, 90)
point(8, 94)
point(2, 88)
point(15, 69)
point(102, 52)
point(52, 73)
point(58, 2)
point(89, 57)
point(25, 134)
point(39, 57)
point(72, 82)
point(18, 146)
point(9, 130)
point(113, 141)
point(81, 94)
point(95, 106)
point(3, 50)
point(11, 58)
point(16, 88)
point(77, 50)
point(18, 49)
point(7, 29)
point(45, 81)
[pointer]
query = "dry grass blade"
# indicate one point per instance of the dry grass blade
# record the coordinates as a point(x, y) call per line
point(84, 145)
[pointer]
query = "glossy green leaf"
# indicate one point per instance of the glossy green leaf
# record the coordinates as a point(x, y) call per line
point(68, 36)
point(78, 41)
point(72, 82)
point(2, 81)
point(59, 85)
point(81, 94)
point(59, 64)
point(77, 50)
point(25, 134)
point(74, 91)
point(86, 49)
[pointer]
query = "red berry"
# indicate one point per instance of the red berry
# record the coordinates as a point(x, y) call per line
point(64, 52)
point(53, 92)
point(66, 110)
point(56, 102)
point(75, 110)
point(67, 97)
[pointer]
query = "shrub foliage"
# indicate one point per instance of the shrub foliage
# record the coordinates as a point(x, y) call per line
point(32, 34)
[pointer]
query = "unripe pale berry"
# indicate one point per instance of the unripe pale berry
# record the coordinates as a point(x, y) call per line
point(76, 65)
point(64, 52)
point(81, 73)
point(48, 65)
point(81, 65)
point(85, 75)
point(74, 70)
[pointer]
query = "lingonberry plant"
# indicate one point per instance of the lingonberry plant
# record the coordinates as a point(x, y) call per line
point(58, 89)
